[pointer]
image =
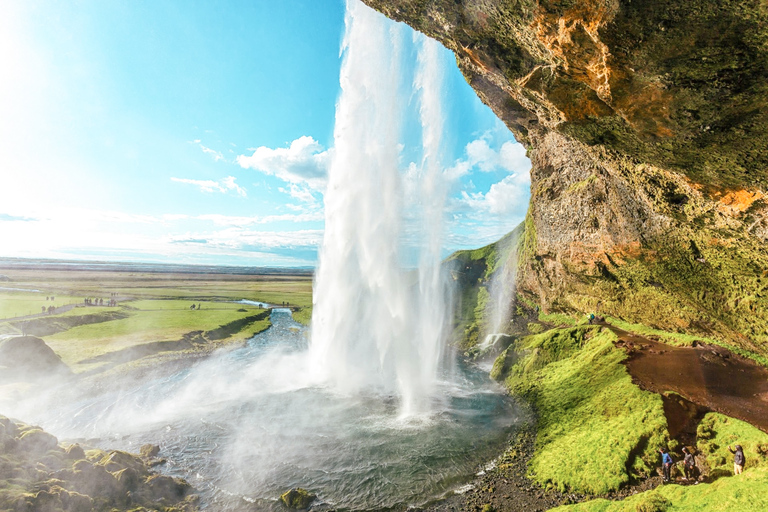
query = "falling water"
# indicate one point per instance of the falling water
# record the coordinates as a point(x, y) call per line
point(395, 345)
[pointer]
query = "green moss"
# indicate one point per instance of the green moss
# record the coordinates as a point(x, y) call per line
point(559, 319)
point(748, 491)
point(596, 430)
point(474, 271)
point(303, 315)
point(716, 432)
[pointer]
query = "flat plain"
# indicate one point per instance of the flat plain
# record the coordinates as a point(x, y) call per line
point(155, 312)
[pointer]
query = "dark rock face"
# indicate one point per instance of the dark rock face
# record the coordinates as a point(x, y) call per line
point(27, 356)
point(646, 123)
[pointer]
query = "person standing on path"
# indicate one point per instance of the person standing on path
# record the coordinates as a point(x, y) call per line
point(738, 459)
point(666, 463)
point(689, 463)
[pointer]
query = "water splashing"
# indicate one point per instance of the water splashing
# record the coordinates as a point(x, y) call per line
point(394, 346)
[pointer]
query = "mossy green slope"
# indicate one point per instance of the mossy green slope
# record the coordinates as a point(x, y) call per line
point(596, 430)
point(473, 272)
point(748, 491)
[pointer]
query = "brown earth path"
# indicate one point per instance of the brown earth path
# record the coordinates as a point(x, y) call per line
point(60, 309)
point(710, 377)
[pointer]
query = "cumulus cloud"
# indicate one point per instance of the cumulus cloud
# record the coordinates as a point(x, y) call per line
point(510, 157)
point(506, 197)
point(223, 185)
point(304, 161)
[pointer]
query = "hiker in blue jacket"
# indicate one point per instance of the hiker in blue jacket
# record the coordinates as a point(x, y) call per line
point(666, 463)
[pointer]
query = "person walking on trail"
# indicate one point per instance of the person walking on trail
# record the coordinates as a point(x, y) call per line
point(738, 459)
point(689, 465)
point(666, 464)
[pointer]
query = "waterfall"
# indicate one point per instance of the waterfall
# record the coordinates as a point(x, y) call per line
point(377, 327)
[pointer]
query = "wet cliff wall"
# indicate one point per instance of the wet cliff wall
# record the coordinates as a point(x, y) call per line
point(646, 123)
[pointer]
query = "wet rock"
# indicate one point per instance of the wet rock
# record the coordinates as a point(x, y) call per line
point(94, 480)
point(75, 502)
point(165, 487)
point(25, 357)
point(297, 499)
point(129, 479)
point(149, 451)
point(117, 460)
point(36, 441)
point(75, 451)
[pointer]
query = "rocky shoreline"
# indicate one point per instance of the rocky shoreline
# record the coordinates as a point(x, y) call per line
point(37, 473)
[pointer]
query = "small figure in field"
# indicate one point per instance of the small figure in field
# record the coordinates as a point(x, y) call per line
point(43, 309)
point(192, 306)
point(199, 306)
point(46, 298)
point(738, 459)
point(666, 463)
point(689, 465)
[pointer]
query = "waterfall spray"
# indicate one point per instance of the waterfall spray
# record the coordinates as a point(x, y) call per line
point(371, 328)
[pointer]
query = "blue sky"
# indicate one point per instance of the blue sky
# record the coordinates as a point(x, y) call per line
point(200, 132)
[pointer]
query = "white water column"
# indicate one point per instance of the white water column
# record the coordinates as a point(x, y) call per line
point(377, 327)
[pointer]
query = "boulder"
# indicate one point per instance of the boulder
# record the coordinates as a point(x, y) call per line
point(75, 451)
point(149, 451)
point(129, 479)
point(94, 480)
point(116, 460)
point(75, 502)
point(36, 441)
point(298, 498)
point(164, 487)
point(28, 357)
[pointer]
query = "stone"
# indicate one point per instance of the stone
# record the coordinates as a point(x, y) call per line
point(149, 451)
point(75, 451)
point(128, 478)
point(166, 487)
point(36, 441)
point(297, 498)
point(28, 357)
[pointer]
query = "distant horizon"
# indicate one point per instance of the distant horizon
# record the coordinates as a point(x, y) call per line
point(7, 263)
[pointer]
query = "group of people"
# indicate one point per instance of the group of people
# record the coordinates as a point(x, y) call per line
point(689, 463)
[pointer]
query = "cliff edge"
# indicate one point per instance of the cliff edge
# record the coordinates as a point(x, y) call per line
point(647, 128)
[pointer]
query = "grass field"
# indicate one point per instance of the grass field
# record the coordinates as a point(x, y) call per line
point(596, 429)
point(154, 309)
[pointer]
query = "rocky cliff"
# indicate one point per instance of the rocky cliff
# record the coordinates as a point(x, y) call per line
point(646, 123)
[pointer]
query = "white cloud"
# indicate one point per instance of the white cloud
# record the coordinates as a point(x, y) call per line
point(506, 197)
point(223, 185)
point(304, 161)
point(481, 156)
point(216, 155)
point(301, 193)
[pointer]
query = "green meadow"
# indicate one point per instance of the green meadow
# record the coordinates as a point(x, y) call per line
point(153, 315)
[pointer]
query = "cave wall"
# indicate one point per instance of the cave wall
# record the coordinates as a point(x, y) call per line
point(646, 122)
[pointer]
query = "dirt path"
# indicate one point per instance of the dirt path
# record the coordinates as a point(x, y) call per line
point(60, 309)
point(710, 377)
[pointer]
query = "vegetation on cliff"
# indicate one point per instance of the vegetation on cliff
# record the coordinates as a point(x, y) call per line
point(596, 430)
